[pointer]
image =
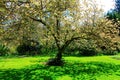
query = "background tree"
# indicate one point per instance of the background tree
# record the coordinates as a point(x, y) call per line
point(115, 14)
point(16, 27)
point(117, 5)
point(91, 12)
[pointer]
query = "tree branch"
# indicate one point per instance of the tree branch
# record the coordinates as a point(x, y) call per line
point(66, 44)
point(39, 20)
point(56, 41)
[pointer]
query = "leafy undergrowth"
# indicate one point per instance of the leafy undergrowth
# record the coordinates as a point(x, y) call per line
point(72, 70)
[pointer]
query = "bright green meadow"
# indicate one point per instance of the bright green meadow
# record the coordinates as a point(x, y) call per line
point(75, 68)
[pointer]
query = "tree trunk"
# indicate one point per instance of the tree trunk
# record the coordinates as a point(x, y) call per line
point(59, 55)
point(57, 61)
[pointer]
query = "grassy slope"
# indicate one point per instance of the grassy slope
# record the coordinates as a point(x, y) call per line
point(77, 68)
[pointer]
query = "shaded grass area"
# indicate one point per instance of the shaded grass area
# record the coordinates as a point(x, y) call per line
point(84, 68)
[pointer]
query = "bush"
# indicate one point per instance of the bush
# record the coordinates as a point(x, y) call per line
point(118, 46)
point(109, 52)
point(30, 47)
point(48, 51)
point(3, 50)
point(72, 51)
point(86, 51)
point(88, 48)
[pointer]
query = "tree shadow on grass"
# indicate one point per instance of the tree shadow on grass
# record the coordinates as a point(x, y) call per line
point(73, 69)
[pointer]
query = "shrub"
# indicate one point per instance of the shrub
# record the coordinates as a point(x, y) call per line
point(72, 51)
point(87, 51)
point(88, 48)
point(48, 51)
point(30, 47)
point(118, 46)
point(109, 52)
point(3, 50)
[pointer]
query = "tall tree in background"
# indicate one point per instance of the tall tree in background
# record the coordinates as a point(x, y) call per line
point(117, 9)
point(117, 6)
point(15, 26)
point(114, 14)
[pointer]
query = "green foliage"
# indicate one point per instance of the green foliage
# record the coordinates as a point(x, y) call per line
point(109, 52)
point(113, 15)
point(81, 48)
point(36, 21)
point(4, 50)
point(117, 5)
point(118, 46)
point(87, 48)
point(29, 48)
point(86, 51)
point(48, 51)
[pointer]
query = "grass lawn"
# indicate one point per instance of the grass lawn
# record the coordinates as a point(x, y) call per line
point(76, 68)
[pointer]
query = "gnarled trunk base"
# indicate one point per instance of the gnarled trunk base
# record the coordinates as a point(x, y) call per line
point(57, 61)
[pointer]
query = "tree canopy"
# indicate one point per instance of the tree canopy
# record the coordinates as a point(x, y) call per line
point(55, 23)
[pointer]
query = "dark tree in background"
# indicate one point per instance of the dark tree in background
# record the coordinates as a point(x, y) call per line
point(117, 9)
point(117, 6)
point(113, 15)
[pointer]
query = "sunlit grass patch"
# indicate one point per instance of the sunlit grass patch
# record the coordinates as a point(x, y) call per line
point(106, 59)
point(65, 77)
point(20, 62)
point(75, 68)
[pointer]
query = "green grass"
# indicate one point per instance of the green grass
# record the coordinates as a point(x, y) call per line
point(20, 62)
point(76, 68)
